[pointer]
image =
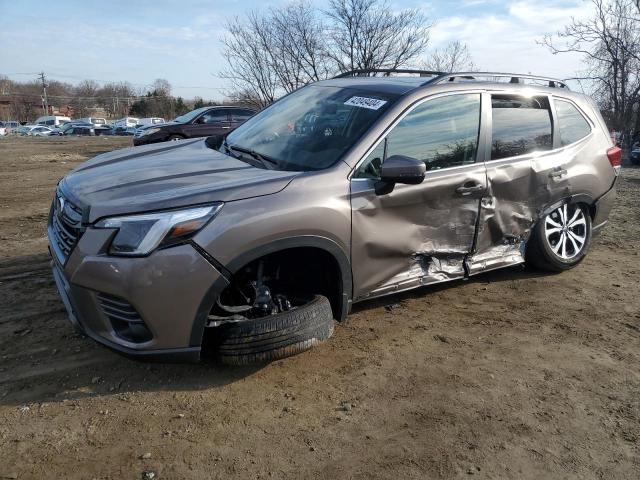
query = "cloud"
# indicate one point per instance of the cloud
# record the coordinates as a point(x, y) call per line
point(506, 41)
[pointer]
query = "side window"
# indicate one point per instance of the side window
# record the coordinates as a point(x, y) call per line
point(442, 132)
point(571, 124)
point(241, 115)
point(214, 116)
point(520, 125)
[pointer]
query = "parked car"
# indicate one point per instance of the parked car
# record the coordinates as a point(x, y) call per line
point(9, 126)
point(127, 122)
point(25, 129)
point(255, 246)
point(74, 123)
point(40, 131)
point(634, 155)
point(79, 130)
point(104, 130)
point(95, 121)
point(3, 131)
point(147, 122)
point(124, 131)
point(202, 122)
point(52, 120)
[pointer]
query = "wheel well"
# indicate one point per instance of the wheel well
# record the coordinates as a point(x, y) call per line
point(303, 269)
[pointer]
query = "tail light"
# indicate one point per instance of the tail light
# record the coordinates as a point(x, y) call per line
point(614, 154)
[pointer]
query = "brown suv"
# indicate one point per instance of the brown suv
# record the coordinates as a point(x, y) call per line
point(343, 190)
point(202, 122)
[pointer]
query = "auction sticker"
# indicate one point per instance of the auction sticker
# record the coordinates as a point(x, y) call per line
point(365, 102)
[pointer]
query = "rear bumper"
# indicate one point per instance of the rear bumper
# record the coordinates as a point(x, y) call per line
point(172, 290)
point(603, 207)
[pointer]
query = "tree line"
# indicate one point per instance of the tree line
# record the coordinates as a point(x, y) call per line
point(116, 99)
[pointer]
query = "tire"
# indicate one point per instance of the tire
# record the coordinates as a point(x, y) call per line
point(544, 254)
point(276, 336)
point(175, 138)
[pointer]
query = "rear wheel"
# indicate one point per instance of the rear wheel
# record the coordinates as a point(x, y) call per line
point(561, 238)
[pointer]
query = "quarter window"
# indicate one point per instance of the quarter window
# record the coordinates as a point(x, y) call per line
point(442, 132)
point(571, 124)
point(520, 125)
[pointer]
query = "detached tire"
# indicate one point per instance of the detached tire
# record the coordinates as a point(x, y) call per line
point(560, 240)
point(276, 336)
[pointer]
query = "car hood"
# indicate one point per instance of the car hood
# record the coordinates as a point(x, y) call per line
point(162, 176)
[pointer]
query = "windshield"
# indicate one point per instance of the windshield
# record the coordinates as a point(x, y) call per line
point(311, 128)
point(187, 117)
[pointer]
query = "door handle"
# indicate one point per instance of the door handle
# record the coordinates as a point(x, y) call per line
point(468, 189)
point(557, 173)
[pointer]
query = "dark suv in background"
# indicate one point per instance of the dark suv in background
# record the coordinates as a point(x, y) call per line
point(202, 122)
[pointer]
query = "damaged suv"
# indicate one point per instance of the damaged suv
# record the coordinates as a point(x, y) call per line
point(344, 190)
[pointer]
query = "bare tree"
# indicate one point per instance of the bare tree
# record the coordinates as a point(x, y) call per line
point(268, 54)
point(249, 63)
point(369, 34)
point(610, 43)
point(455, 57)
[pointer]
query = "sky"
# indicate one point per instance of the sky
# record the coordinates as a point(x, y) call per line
point(180, 40)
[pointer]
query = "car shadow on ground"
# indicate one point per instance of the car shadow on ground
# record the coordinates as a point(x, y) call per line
point(518, 272)
point(42, 359)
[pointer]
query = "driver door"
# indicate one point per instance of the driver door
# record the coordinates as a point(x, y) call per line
point(419, 234)
point(212, 122)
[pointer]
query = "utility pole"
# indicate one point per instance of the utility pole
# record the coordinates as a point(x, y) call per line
point(44, 93)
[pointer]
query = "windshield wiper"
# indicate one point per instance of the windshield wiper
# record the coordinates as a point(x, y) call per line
point(258, 156)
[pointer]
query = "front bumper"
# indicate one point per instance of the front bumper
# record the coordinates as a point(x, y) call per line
point(149, 139)
point(172, 290)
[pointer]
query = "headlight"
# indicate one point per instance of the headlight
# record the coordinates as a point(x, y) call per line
point(141, 234)
point(150, 131)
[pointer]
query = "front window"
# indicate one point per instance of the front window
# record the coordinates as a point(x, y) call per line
point(312, 128)
point(442, 132)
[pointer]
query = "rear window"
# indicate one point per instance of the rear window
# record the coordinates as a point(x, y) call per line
point(520, 125)
point(571, 124)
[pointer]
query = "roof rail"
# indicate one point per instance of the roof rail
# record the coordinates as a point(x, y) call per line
point(514, 78)
point(367, 72)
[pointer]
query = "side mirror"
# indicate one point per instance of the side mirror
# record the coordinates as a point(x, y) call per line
point(400, 169)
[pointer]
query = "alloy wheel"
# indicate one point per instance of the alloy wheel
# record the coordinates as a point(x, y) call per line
point(565, 229)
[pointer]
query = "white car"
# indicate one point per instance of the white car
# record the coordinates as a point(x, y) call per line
point(3, 131)
point(35, 130)
point(52, 120)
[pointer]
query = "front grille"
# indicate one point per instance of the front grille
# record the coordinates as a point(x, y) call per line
point(124, 318)
point(66, 224)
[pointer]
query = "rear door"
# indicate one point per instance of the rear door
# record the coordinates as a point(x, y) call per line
point(239, 116)
point(524, 175)
point(420, 234)
point(212, 122)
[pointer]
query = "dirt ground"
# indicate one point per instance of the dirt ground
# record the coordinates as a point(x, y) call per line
point(513, 374)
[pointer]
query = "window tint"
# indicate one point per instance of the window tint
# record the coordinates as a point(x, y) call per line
point(571, 124)
point(520, 125)
point(214, 116)
point(442, 132)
